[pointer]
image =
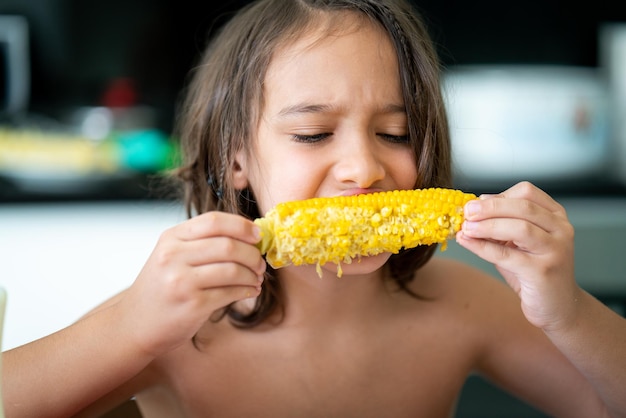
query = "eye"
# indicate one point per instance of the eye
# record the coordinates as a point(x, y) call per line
point(310, 138)
point(396, 139)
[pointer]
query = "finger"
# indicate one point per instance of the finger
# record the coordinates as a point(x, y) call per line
point(501, 254)
point(528, 191)
point(514, 208)
point(524, 235)
point(218, 275)
point(223, 249)
point(214, 224)
point(193, 283)
point(223, 296)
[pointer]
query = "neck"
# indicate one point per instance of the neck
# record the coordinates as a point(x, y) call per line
point(328, 299)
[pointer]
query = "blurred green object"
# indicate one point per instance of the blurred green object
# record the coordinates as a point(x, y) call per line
point(145, 150)
point(55, 162)
point(54, 153)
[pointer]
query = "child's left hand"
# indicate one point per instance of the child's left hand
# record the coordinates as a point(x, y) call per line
point(527, 236)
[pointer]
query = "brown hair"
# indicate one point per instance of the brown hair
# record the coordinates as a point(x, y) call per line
point(225, 95)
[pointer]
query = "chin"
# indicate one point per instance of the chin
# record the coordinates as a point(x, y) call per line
point(359, 266)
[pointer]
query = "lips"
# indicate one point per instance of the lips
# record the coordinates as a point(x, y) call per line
point(354, 192)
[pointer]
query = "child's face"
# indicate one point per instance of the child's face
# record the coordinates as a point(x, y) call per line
point(332, 122)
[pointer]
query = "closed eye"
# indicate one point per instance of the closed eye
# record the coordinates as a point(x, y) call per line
point(310, 138)
point(396, 139)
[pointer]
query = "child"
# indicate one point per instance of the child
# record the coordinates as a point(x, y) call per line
point(304, 98)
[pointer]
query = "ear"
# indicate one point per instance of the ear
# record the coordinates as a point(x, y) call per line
point(240, 170)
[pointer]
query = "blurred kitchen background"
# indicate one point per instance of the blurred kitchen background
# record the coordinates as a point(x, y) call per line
point(536, 90)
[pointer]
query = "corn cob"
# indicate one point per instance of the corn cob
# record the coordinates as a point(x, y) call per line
point(339, 229)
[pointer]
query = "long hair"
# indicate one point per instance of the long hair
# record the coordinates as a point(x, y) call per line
point(224, 99)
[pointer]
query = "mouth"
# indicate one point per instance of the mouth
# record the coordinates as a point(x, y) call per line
point(358, 191)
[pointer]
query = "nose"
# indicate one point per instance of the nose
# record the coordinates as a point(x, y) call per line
point(359, 163)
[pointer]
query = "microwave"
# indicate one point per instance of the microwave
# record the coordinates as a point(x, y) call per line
point(14, 65)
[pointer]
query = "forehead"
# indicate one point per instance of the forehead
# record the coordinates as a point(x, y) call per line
point(345, 44)
point(322, 25)
point(323, 28)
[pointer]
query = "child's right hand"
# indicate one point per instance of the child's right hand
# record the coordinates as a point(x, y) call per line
point(197, 267)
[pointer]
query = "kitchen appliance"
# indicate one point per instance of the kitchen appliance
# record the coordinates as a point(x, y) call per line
point(14, 65)
point(613, 62)
point(546, 124)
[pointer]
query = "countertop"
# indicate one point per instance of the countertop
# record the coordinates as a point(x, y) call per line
point(59, 260)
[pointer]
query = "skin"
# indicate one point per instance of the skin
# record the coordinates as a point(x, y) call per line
point(345, 347)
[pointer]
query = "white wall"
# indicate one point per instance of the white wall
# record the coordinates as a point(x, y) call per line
point(57, 261)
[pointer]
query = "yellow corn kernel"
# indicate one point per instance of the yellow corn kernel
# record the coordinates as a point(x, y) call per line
point(340, 229)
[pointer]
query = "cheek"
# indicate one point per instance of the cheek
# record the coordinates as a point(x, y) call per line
point(294, 179)
point(403, 169)
point(276, 178)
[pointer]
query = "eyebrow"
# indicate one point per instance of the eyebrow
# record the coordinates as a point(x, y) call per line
point(304, 108)
point(301, 108)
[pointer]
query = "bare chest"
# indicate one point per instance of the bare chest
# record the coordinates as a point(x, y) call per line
point(387, 373)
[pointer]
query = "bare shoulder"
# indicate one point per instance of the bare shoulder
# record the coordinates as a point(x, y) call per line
point(484, 304)
point(451, 279)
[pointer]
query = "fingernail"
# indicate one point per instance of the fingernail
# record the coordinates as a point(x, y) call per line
point(257, 232)
point(471, 208)
point(469, 226)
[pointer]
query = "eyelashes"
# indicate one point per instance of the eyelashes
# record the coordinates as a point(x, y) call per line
point(310, 138)
point(396, 139)
point(315, 138)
